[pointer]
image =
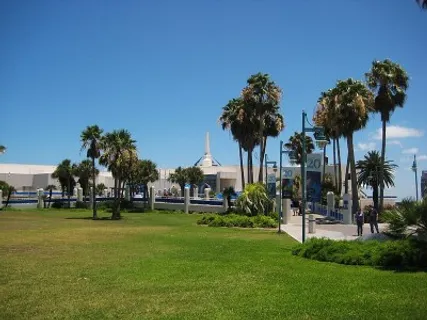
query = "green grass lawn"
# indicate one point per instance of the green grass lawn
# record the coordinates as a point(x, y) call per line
point(164, 266)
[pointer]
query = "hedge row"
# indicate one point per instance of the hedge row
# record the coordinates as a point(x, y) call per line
point(235, 220)
point(395, 254)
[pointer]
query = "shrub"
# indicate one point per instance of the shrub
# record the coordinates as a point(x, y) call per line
point(396, 254)
point(254, 200)
point(235, 220)
point(82, 205)
point(410, 217)
point(59, 204)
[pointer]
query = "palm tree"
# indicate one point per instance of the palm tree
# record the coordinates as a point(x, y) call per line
point(2, 149)
point(324, 117)
point(145, 171)
point(84, 171)
point(119, 155)
point(179, 176)
point(389, 82)
point(50, 187)
point(263, 96)
point(64, 172)
point(229, 120)
point(368, 173)
point(422, 4)
point(100, 187)
point(295, 144)
point(353, 103)
point(91, 141)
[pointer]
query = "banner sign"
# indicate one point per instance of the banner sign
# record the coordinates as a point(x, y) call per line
point(315, 162)
point(314, 189)
point(287, 188)
point(271, 185)
point(288, 173)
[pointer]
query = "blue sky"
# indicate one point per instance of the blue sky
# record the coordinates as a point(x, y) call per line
point(164, 68)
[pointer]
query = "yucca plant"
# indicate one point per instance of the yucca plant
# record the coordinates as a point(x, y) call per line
point(409, 218)
point(253, 200)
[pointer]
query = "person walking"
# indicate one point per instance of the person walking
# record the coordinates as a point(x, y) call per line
point(359, 221)
point(373, 219)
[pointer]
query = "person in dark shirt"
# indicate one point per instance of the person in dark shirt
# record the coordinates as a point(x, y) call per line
point(373, 219)
point(359, 221)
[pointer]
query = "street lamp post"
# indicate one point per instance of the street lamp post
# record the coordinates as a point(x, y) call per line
point(319, 135)
point(292, 158)
point(414, 168)
point(274, 164)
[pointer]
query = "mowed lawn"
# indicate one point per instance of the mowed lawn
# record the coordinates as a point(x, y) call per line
point(165, 266)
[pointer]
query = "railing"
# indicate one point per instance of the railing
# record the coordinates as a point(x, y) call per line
point(323, 210)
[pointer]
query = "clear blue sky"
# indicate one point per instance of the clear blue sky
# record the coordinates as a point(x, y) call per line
point(164, 68)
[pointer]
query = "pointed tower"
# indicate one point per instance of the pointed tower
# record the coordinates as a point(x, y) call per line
point(207, 160)
point(207, 157)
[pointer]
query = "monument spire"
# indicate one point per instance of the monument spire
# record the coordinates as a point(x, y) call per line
point(207, 144)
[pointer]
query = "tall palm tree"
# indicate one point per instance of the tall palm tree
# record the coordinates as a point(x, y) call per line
point(353, 102)
point(64, 172)
point(389, 82)
point(295, 144)
point(422, 4)
point(368, 175)
point(50, 187)
point(229, 120)
point(324, 117)
point(263, 95)
point(84, 171)
point(119, 156)
point(91, 141)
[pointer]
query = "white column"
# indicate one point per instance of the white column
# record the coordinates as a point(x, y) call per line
point(186, 199)
point(286, 209)
point(311, 224)
point(330, 199)
point(75, 192)
point(347, 216)
point(40, 198)
point(207, 191)
point(195, 192)
point(79, 194)
point(105, 192)
point(1, 197)
point(91, 191)
point(152, 197)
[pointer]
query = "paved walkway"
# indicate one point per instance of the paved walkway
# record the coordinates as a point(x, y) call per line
point(331, 231)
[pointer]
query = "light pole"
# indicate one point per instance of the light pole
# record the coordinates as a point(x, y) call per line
point(292, 158)
point(414, 168)
point(273, 193)
point(319, 135)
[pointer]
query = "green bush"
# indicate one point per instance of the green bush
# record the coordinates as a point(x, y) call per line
point(254, 200)
point(82, 205)
point(396, 254)
point(235, 220)
point(59, 205)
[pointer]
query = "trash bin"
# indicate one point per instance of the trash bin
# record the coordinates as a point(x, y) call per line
point(311, 224)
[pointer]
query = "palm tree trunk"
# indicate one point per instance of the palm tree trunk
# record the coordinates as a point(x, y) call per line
point(347, 167)
point(324, 164)
point(251, 166)
point(242, 170)
point(261, 151)
point(94, 216)
point(354, 187)
point(262, 156)
point(339, 167)
point(381, 175)
point(334, 151)
point(50, 197)
point(375, 196)
point(9, 193)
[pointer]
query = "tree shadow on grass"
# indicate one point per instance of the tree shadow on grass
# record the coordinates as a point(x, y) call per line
point(91, 218)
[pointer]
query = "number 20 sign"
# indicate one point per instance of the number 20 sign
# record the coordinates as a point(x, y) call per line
point(314, 162)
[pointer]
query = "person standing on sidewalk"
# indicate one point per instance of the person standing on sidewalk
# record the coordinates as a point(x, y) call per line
point(373, 219)
point(359, 221)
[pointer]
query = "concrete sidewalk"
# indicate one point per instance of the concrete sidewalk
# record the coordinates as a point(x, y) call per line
point(330, 231)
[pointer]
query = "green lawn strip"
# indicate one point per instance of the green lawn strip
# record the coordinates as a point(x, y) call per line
point(165, 266)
